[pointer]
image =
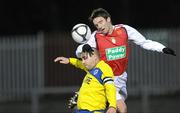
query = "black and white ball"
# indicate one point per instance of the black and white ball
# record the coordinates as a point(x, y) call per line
point(81, 33)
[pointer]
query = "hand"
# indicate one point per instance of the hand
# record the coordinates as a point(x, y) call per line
point(73, 101)
point(111, 110)
point(62, 60)
point(169, 51)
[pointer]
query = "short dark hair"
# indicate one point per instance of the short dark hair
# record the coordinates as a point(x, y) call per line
point(90, 50)
point(99, 12)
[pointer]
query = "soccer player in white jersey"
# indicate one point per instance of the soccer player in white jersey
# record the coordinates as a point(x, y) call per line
point(112, 43)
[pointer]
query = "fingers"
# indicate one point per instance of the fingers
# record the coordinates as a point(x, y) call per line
point(62, 60)
point(169, 51)
point(58, 59)
point(73, 101)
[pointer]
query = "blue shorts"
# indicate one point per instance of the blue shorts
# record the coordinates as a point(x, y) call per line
point(87, 111)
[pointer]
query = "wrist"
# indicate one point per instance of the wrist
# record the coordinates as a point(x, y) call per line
point(112, 107)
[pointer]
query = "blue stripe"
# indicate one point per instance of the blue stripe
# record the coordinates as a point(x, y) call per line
point(87, 111)
point(83, 111)
point(97, 73)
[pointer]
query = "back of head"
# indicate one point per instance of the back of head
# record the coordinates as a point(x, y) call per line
point(90, 50)
point(99, 12)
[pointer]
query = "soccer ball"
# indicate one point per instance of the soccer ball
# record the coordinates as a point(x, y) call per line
point(81, 33)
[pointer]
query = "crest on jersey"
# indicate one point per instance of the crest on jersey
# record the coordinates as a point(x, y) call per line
point(119, 32)
point(113, 40)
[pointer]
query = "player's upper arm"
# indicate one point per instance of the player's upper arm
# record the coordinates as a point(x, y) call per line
point(77, 63)
point(140, 40)
point(108, 76)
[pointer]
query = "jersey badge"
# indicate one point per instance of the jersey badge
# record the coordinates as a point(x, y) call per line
point(113, 40)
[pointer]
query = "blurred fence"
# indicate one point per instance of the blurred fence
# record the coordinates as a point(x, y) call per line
point(152, 71)
point(21, 67)
point(27, 70)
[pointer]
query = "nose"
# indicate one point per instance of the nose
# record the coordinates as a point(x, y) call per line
point(99, 27)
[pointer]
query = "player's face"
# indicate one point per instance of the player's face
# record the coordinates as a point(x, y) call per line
point(88, 61)
point(103, 25)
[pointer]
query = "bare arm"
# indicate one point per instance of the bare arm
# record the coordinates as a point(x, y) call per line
point(62, 60)
point(111, 110)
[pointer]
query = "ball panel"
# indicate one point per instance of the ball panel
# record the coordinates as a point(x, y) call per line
point(81, 33)
point(82, 30)
point(76, 37)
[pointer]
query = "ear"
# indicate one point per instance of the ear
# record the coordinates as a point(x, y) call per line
point(108, 19)
point(96, 58)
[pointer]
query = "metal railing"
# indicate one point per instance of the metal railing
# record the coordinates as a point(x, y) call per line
point(21, 67)
point(156, 72)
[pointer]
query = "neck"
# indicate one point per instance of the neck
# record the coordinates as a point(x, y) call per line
point(110, 29)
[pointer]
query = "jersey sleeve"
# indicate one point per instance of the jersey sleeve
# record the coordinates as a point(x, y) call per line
point(77, 63)
point(108, 81)
point(92, 40)
point(111, 94)
point(140, 40)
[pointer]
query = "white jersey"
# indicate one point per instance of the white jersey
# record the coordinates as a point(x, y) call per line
point(133, 35)
point(136, 37)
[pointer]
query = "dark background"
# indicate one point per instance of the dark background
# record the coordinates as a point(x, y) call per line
point(52, 20)
point(31, 16)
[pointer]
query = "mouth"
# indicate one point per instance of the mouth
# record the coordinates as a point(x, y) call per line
point(102, 30)
point(86, 66)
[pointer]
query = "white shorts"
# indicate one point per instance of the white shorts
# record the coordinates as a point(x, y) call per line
point(120, 83)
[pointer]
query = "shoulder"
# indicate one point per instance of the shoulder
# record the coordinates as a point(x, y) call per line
point(93, 34)
point(119, 26)
point(123, 25)
point(100, 67)
point(105, 68)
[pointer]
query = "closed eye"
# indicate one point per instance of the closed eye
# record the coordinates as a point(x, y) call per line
point(84, 57)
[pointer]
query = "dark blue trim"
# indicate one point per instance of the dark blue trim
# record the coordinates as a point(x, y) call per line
point(97, 73)
point(87, 111)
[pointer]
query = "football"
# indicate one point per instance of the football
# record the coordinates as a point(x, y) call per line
point(81, 33)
